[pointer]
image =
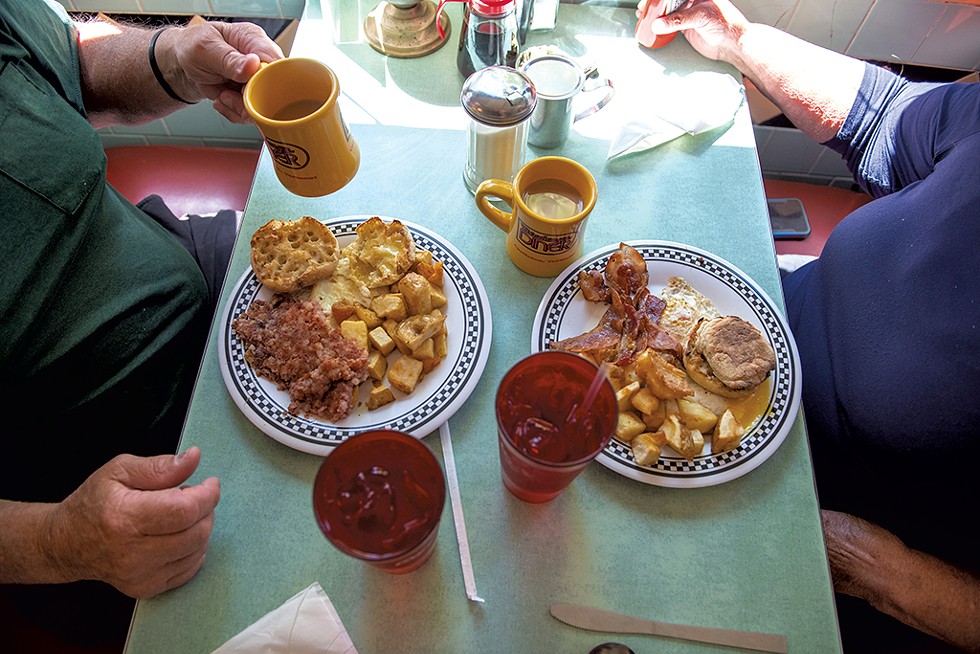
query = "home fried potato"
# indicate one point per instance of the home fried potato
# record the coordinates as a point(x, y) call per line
point(644, 401)
point(628, 426)
point(728, 435)
point(405, 373)
point(355, 330)
point(380, 395)
point(377, 365)
point(381, 341)
point(696, 416)
point(687, 442)
point(664, 379)
point(624, 396)
point(646, 448)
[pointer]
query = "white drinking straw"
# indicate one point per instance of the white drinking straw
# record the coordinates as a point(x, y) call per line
point(464, 546)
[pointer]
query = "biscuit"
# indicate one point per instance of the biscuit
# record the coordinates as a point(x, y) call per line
point(290, 255)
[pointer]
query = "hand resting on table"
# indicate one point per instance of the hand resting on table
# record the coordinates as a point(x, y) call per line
point(131, 524)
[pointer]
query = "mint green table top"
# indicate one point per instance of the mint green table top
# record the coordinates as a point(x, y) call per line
point(747, 554)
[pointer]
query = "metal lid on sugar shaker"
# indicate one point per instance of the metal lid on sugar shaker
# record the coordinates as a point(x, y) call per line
point(498, 96)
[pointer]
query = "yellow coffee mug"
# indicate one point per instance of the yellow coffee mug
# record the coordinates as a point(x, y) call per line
point(549, 199)
point(293, 102)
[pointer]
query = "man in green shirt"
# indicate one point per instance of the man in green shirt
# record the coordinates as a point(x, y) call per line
point(103, 312)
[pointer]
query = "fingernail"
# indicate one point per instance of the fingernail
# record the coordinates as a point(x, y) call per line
point(180, 456)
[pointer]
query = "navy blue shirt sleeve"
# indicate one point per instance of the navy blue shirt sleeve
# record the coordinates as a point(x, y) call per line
point(898, 130)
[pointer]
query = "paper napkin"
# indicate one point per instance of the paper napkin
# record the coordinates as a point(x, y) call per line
point(306, 624)
point(678, 105)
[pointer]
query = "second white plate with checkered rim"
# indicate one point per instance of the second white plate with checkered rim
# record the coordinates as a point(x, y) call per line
point(563, 312)
point(437, 397)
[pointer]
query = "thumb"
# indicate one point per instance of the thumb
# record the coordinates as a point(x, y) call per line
point(229, 63)
point(239, 67)
point(662, 26)
point(240, 48)
point(158, 472)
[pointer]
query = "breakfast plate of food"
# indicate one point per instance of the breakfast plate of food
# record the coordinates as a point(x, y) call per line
point(705, 368)
point(352, 324)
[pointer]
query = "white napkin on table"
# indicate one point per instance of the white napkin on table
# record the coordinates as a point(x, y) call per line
point(307, 623)
point(689, 104)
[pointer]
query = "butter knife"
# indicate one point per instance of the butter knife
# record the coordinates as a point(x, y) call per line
point(585, 617)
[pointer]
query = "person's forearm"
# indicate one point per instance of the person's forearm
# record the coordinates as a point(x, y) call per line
point(26, 554)
point(117, 82)
point(931, 596)
point(814, 87)
point(872, 564)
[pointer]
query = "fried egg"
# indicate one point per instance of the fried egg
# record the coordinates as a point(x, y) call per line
point(685, 306)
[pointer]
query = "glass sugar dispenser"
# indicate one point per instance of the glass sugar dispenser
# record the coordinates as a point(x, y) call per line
point(499, 101)
point(489, 35)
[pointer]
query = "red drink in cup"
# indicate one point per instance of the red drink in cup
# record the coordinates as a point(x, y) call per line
point(378, 497)
point(546, 436)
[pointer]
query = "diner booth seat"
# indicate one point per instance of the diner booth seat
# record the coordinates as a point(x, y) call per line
point(190, 179)
point(825, 206)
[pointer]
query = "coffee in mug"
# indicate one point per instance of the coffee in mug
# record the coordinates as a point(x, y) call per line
point(553, 198)
point(298, 109)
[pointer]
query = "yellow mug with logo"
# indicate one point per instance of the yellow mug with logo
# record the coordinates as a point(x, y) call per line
point(293, 102)
point(549, 199)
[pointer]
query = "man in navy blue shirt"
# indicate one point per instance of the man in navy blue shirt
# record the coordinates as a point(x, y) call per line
point(887, 322)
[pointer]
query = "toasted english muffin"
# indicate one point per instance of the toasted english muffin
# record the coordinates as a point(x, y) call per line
point(381, 254)
point(728, 356)
point(288, 255)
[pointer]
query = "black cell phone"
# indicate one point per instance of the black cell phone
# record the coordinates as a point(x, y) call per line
point(788, 219)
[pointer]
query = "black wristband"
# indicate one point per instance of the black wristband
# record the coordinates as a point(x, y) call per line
point(156, 69)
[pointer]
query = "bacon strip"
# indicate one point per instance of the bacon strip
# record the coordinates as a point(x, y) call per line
point(631, 323)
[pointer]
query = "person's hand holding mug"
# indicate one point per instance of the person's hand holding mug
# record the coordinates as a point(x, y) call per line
point(214, 60)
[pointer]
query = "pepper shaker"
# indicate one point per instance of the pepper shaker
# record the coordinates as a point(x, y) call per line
point(499, 100)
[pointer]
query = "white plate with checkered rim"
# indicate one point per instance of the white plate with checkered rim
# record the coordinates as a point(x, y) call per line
point(437, 397)
point(563, 312)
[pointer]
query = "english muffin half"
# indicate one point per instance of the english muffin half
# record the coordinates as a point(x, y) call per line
point(288, 255)
point(728, 356)
point(381, 254)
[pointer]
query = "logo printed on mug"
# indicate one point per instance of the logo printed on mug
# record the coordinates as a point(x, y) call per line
point(544, 243)
point(288, 155)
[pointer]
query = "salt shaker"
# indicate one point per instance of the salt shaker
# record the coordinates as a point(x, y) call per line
point(499, 101)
